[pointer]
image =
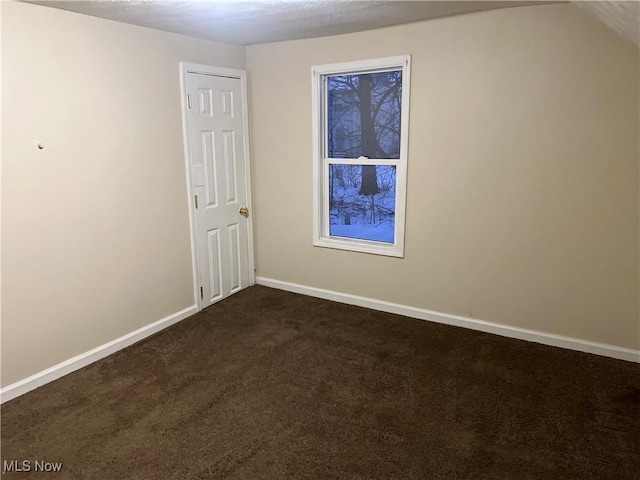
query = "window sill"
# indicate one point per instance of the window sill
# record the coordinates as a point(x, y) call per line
point(361, 246)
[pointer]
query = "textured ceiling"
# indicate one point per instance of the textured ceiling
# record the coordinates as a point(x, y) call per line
point(262, 21)
point(246, 22)
point(622, 17)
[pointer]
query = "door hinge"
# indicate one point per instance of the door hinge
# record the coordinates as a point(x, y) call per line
point(201, 294)
point(195, 198)
point(189, 101)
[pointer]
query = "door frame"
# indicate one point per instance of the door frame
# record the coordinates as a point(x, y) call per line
point(186, 68)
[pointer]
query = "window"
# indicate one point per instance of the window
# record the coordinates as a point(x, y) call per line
point(360, 128)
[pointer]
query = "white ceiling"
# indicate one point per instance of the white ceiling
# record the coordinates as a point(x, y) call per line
point(246, 22)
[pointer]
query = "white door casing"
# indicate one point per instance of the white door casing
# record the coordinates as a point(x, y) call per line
point(216, 143)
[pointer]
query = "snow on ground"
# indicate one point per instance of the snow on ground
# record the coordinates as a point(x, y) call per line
point(381, 233)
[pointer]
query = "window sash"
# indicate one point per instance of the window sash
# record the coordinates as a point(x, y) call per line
point(325, 104)
point(326, 213)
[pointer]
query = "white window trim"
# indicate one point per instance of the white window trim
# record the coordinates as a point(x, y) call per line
point(321, 237)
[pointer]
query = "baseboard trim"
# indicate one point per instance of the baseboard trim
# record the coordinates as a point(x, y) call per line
point(50, 374)
point(459, 321)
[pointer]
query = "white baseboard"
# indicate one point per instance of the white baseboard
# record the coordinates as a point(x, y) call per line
point(41, 378)
point(50, 374)
point(459, 321)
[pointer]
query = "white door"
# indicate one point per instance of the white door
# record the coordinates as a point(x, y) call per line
point(219, 183)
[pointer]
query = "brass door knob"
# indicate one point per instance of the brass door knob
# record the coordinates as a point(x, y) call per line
point(244, 211)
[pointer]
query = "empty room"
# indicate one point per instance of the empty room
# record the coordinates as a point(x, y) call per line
point(320, 239)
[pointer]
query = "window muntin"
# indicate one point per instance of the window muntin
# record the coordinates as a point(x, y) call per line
point(360, 133)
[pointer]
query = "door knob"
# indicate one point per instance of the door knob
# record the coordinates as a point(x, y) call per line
point(244, 211)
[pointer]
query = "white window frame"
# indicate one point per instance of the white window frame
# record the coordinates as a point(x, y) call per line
point(319, 107)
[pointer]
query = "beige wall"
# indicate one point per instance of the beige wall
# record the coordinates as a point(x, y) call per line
point(95, 232)
point(522, 204)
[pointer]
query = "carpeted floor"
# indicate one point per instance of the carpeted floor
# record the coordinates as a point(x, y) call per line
point(272, 385)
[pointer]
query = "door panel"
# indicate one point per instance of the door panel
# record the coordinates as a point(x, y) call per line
point(228, 139)
point(214, 252)
point(218, 174)
point(234, 257)
point(209, 170)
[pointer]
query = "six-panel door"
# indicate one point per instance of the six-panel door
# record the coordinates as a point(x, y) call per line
point(218, 179)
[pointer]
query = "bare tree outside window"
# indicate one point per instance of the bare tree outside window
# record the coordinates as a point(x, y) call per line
point(364, 120)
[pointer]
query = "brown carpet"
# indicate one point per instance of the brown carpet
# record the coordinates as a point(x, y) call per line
point(272, 385)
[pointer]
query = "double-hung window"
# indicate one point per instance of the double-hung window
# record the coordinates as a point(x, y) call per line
point(360, 132)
